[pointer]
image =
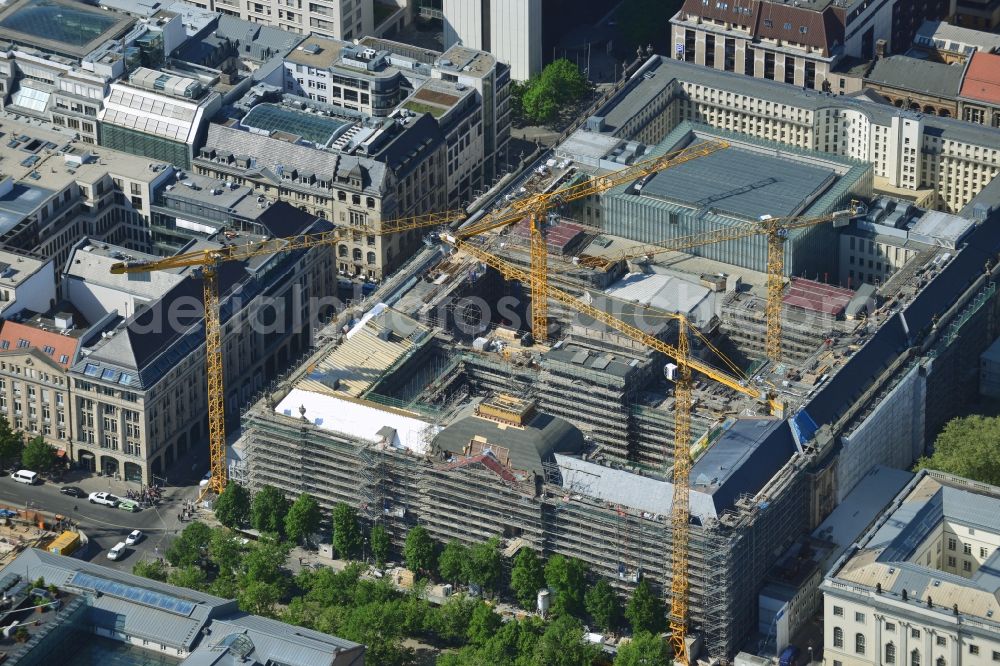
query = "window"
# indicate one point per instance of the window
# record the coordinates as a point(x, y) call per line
point(838, 611)
point(859, 643)
point(951, 560)
point(996, 655)
point(890, 653)
point(973, 649)
point(915, 658)
point(941, 640)
point(967, 548)
point(838, 637)
point(966, 565)
point(983, 551)
point(890, 627)
point(914, 633)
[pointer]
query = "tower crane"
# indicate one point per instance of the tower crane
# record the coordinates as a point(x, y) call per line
point(680, 518)
point(536, 206)
point(775, 228)
point(209, 260)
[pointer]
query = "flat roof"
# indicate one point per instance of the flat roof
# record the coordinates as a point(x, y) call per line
point(742, 182)
point(817, 297)
point(19, 202)
point(61, 26)
point(312, 127)
point(982, 78)
point(316, 51)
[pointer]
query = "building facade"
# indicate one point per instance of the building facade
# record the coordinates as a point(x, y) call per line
point(509, 29)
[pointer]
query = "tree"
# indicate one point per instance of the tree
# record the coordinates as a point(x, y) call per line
point(11, 443)
point(451, 562)
point(380, 544)
point(563, 644)
point(560, 84)
point(644, 649)
point(450, 621)
point(539, 103)
point(567, 578)
point(346, 533)
point(188, 548)
point(258, 598)
point(484, 565)
point(483, 624)
point(268, 509)
point(527, 577)
point(645, 612)
point(265, 563)
point(225, 551)
point(418, 551)
point(602, 604)
point(190, 576)
point(153, 569)
point(302, 518)
point(232, 508)
point(38, 456)
point(968, 446)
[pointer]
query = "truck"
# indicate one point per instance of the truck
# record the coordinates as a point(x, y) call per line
point(65, 544)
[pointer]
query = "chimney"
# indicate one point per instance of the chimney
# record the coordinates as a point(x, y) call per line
point(880, 49)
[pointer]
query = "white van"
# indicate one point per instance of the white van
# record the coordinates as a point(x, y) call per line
point(116, 552)
point(25, 476)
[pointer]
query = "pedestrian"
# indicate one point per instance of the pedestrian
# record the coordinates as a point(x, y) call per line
point(76, 508)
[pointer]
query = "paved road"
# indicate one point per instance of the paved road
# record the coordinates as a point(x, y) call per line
point(105, 526)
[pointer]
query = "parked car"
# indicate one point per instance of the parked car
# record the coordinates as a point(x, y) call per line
point(107, 499)
point(128, 505)
point(26, 476)
point(118, 551)
point(72, 491)
point(789, 656)
point(134, 537)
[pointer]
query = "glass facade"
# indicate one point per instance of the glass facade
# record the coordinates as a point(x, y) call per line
point(146, 145)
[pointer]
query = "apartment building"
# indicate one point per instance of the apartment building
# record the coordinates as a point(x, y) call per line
point(340, 19)
point(798, 43)
point(939, 163)
point(368, 175)
point(920, 586)
point(138, 389)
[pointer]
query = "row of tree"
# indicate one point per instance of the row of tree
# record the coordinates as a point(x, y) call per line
point(36, 455)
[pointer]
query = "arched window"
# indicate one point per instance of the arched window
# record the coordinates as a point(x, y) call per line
point(915, 658)
point(838, 637)
point(859, 643)
point(890, 653)
point(371, 258)
point(941, 662)
point(357, 254)
point(341, 250)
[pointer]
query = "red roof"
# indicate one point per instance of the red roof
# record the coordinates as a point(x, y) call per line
point(817, 297)
point(15, 336)
point(982, 78)
point(486, 460)
point(558, 236)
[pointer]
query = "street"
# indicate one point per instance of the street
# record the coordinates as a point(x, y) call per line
point(105, 526)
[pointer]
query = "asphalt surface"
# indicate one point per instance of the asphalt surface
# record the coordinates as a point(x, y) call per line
point(105, 526)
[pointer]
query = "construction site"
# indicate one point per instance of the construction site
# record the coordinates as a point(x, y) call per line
point(544, 372)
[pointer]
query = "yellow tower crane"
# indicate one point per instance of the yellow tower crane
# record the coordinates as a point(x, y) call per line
point(209, 261)
point(775, 228)
point(536, 206)
point(680, 517)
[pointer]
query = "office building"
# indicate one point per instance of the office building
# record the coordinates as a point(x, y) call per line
point(509, 29)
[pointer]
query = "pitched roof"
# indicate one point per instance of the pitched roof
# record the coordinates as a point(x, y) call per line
point(982, 79)
point(14, 336)
point(916, 75)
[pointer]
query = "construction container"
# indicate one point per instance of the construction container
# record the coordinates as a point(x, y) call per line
point(65, 544)
point(544, 601)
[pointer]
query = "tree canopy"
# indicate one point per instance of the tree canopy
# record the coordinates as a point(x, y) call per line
point(451, 562)
point(268, 510)
point(527, 577)
point(561, 83)
point(188, 548)
point(418, 550)
point(484, 565)
point(11, 443)
point(645, 612)
point(302, 519)
point(346, 533)
point(567, 578)
point(563, 644)
point(602, 604)
point(380, 544)
point(968, 446)
point(153, 569)
point(232, 507)
point(644, 649)
point(38, 456)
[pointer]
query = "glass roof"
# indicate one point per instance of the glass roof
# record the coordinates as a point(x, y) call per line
point(29, 98)
point(311, 127)
point(59, 22)
point(137, 594)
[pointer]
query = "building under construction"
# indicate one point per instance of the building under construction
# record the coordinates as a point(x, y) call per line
point(432, 411)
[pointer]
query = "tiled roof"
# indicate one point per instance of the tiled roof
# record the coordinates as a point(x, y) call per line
point(982, 80)
point(60, 348)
